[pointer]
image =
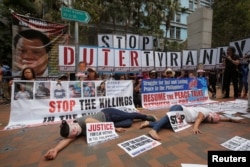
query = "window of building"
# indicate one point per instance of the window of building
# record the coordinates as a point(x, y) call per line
point(178, 33)
point(178, 18)
point(191, 5)
point(172, 32)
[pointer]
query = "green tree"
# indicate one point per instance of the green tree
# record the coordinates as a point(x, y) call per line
point(231, 21)
point(23, 7)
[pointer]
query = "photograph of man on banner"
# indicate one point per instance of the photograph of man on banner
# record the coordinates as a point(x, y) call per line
point(31, 49)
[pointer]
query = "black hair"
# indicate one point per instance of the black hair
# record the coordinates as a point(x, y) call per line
point(64, 131)
point(32, 71)
point(232, 49)
point(34, 34)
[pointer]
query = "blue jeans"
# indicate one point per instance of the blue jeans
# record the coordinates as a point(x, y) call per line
point(121, 118)
point(164, 121)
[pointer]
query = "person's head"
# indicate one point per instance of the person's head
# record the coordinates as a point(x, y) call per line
point(152, 74)
point(71, 87)
point(70, 130)
point(169, 73)
point(63, 77)
point(122, 77)
point(58, 85)
point(28, 73)
point(32, 49)
point(212, 118)
point(231, 50)
point(200, 73)
point(102, 85)
point(22, 86)
point(92, 74)
point(82, 66)
point(191, 75)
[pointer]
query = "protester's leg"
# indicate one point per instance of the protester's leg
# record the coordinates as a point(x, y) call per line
point(235, 85)
point(176, 108)
point(227, 81)
point(116, 115)
point(163, 122)
point(248, 105)
point(124, 124)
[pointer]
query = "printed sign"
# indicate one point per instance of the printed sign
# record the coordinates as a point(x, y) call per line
point(237, 144)
point(177, 120)
point(100, 132)
point(138, 145)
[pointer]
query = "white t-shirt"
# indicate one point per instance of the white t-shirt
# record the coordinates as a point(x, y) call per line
point(191, 113)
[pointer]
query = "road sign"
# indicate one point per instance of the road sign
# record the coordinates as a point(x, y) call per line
point(74, 15)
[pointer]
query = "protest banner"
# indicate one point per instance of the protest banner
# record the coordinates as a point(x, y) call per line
point(45, 102)
point(160, 93)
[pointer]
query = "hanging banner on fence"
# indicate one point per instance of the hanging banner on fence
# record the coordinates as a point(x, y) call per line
point(44, 102)
point(159, 93)
point(177, 120)
point(35, 45)
point(100, 132)
point(138, 145)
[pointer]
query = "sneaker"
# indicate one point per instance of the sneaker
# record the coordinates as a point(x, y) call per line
point(151, 118)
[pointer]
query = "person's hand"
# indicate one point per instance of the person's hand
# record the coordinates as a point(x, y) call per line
point(195, 131)
point(10, 82)
point(120, 129)
point(51, 154)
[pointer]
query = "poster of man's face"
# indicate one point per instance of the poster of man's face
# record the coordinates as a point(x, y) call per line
point(32, 45)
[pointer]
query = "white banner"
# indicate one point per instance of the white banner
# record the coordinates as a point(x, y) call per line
point(100, 132)
point(177, 120)
point(44, 102)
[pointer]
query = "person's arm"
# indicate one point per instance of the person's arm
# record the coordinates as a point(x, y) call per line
point(52, 153)
point(197, 123)
point(226, 119)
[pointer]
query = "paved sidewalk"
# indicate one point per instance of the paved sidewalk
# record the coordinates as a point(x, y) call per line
point(26, 147)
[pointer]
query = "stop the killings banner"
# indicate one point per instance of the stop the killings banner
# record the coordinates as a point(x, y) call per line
point(36, 103)
point(158, 93)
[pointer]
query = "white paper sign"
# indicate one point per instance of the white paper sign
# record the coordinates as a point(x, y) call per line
point(237, 144)
point(138, 145)
point(100, 132)
point(177, 120)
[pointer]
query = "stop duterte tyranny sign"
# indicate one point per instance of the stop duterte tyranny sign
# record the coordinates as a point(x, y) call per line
point(134, 53)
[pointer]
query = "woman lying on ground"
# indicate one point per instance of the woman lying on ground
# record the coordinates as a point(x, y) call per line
point(70, 131)
point(196, 115)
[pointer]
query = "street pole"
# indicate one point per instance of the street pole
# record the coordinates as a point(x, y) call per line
point(76, 45)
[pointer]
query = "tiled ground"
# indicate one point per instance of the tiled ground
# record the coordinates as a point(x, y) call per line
point(25, 147)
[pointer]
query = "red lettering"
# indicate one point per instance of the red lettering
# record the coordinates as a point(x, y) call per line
point(134, 58)
point(69, 56)
point(101, 127)
point(121, 57)
point(181, 94)
point(65, 105)
point(90, 56)
point(52, 106)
